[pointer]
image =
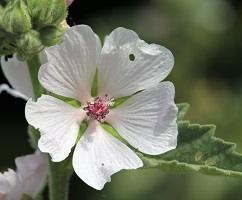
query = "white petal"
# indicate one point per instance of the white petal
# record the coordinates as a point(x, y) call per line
point(7, 181)
point(119, 76)
point(147, 120)
point(58, 123)
point(72, 65)
point(98, 155)
point(17, 74)
point(32, 173)
point(5, 88)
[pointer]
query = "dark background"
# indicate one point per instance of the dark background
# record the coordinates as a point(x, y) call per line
point(205, 37)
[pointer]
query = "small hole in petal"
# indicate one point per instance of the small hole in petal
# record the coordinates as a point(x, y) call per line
point(131, 57)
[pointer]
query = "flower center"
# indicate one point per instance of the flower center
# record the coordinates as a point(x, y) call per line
point(99, 108)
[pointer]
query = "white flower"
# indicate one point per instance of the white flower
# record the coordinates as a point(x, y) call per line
point(28, 179)
point(17, 74)
point(126, 66)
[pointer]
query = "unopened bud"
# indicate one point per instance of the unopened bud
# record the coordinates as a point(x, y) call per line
point(28, 45)
point(15, 17)
point(51, 35)
point(47, 12)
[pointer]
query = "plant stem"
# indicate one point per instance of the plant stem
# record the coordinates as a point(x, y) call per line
point(33, 66)
point(59, 178)
point(59, 173)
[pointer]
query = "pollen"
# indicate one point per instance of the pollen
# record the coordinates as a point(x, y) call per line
point(99, 108)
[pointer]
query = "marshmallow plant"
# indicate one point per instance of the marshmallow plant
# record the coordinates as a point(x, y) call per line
point(97, 109)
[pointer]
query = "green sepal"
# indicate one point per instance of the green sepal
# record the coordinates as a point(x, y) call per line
point(94, 85)
point(7, 44)
point(74, 103)
point(15, 17)
point(82, 129)
point(51, 35)
point(119, 101)
point(70, 101)
point(47, 12)
point(112, 131)
point(28, 45)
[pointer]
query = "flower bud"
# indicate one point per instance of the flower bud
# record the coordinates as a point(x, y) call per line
point(47, 12)
point(28, 45)
point(15, 17)
point(51, 35)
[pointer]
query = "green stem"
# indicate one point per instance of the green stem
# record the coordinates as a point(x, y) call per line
point(33, 66)
point(59, 173)
point(59, 178)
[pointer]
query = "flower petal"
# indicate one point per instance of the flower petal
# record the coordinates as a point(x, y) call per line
point(5, 88)
point(129, 65)
point(72, 65)
point(32, 173)
point(98, 155)
point(147, 120)
point(58, 123)
point(17, 75)
point(7, 181)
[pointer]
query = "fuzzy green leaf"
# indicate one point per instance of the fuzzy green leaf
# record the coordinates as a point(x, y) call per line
point(198, 150)
point(182, 110)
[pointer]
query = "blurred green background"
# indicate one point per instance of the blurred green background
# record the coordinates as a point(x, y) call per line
point(205, 37)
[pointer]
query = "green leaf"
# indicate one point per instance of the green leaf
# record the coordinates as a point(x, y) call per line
point(182, 110)
point(198, 150)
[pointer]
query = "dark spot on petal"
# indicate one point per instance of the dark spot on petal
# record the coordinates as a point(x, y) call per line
point(102, 164)
point(131, 57)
